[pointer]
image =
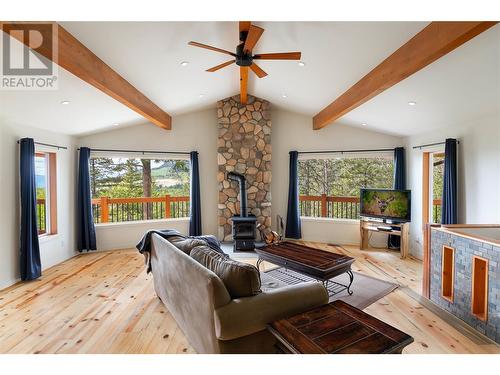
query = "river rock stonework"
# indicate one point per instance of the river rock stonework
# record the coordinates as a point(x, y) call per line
point(244, 146)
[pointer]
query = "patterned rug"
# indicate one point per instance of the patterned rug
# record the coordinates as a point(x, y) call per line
point(365, 289)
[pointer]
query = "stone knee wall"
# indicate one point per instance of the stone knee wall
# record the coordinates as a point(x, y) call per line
point(244, 146)
point(465, 249)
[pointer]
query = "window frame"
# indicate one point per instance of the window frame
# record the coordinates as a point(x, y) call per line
point(51, 191)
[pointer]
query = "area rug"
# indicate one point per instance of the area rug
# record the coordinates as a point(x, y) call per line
point(366, 289)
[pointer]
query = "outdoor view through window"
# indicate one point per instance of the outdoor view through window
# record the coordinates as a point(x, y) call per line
point(128, 189)
point(41, 183)
point(330, 187)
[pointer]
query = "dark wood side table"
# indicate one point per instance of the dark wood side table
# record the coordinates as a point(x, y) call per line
point(338, 328)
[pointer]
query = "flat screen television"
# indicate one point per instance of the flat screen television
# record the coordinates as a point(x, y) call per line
point(389, 205)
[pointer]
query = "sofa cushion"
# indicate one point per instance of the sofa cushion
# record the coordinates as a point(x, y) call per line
point(240, 279)
point(186, 244)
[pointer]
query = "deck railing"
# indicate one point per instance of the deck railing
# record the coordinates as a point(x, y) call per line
point(329, 206)
point(41, 210)
point(115, 210)
point(436, 210)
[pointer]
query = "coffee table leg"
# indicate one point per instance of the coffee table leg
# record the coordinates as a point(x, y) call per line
point(351, 278)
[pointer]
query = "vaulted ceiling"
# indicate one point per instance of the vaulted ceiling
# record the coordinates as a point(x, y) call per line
point(461, 85)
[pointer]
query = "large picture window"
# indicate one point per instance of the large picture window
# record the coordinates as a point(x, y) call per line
point(329, 187)
point(132, 189)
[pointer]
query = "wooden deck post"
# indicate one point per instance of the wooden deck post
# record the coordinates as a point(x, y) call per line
point(104, 210)
point(323, 205)
point(167, 206)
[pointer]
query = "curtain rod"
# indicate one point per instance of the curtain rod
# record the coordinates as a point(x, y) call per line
point(140, 151)
point(48, 145)
point(432, 144)
point(345, 151)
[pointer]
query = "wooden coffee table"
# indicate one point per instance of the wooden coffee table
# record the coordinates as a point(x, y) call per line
point(315, 263)
point(337, 328)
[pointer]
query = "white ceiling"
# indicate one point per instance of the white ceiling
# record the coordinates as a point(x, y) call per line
point(337, 54)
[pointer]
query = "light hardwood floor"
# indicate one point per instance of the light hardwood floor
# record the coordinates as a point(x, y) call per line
point(105, 303)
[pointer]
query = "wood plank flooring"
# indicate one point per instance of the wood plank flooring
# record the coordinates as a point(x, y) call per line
point(105, 303)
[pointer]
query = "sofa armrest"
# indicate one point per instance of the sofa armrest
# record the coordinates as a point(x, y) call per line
point(244, 316)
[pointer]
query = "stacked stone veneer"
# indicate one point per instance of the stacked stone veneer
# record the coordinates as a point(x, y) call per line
point(465, 248)
point(244, 146)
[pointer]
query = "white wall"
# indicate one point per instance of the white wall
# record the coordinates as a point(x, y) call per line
point(53, 249)
point(191, 132)
point(292, 131)
point(478, 173)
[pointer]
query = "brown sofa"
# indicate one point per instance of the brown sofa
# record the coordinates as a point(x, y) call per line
point(212, 321)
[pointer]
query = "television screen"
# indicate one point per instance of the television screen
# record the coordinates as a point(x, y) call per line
point(393, 205)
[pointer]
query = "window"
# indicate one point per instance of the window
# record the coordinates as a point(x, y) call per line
point(432, 186)
point(437, 185)
point(130, 189)
point(329, 187)
point(46, 192)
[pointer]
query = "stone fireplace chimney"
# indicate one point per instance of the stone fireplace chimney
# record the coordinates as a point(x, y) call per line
point(244, 146)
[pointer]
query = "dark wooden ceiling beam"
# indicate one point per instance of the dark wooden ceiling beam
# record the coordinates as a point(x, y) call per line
point(434, 41)
point(77, 59)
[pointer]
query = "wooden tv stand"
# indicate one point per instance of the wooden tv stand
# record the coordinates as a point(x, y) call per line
point(403, 231)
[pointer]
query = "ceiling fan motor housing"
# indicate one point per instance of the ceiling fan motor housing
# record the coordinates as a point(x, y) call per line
point(242, 58)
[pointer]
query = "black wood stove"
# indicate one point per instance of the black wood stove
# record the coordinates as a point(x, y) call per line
point(243, 225)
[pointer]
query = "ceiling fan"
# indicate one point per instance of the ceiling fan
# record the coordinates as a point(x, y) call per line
point(244, 57)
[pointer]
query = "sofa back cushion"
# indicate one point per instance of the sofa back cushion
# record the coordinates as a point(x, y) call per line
point(186, 244)
point(240, 279)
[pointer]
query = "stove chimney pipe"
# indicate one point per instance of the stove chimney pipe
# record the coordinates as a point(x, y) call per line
point(238, 177)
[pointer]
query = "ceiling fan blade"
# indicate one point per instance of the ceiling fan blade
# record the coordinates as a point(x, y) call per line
point(257, 70)
point(215, 68)
point(244, 26)
point(278, 56)
point(253, 36)
point(243, 84)
point(201, 45)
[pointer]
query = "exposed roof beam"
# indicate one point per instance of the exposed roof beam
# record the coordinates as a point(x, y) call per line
point(434, 41)
point(77, 59)
point(243, 84)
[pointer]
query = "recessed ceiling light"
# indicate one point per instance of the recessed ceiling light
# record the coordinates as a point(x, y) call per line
point(116, 124)
point(412, 103)
point(301, 63)
point(65, 102)
point(201, 96)
point(284, 96)
point(363, 124)
point(185, 63)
